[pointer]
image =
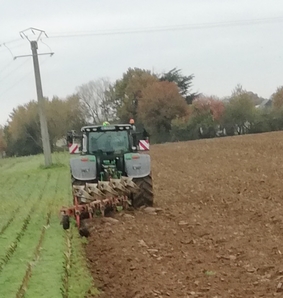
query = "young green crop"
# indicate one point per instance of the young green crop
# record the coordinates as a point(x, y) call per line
point(32, 241)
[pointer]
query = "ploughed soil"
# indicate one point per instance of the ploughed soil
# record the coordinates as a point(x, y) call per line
point(217, 231)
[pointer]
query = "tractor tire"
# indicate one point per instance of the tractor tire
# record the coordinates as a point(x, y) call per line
point(144, 197)
point(66, 222)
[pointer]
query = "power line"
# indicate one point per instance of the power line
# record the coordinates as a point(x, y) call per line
point(4, 49)
point(155, 29)
point(6, 66)
point(11, 87)
point(11, 41)
point(19, 66)
point(22, 78)
point(169, 28)
point(3, 46)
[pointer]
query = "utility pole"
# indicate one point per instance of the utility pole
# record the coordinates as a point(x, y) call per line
point(40, 98)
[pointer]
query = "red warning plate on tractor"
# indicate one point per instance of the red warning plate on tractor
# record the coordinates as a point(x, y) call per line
point(74, 148)
point(144, 145)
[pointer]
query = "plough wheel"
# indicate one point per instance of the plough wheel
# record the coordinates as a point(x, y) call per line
point(66, 222)
point(144, 197)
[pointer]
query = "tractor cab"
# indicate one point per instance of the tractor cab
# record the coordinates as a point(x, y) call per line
point(107, 139)
point(109, 144)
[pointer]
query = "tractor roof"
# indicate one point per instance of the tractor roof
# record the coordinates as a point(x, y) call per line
point(114, 127)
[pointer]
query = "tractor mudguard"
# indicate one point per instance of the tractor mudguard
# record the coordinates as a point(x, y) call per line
point(137, 165)
point(83, 168)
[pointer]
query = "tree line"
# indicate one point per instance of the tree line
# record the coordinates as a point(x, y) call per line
point(163, 104)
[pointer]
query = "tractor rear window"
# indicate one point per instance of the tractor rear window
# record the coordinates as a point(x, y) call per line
point(108, 141)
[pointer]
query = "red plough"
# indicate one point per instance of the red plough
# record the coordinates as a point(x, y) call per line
point(95, 199)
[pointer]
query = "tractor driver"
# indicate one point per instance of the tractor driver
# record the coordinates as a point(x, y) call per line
point(132, 122)
point(105, 123)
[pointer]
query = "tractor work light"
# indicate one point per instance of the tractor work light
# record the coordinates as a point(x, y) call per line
point(108, 127)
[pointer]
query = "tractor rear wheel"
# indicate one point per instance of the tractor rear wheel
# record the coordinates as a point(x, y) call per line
point(144, 197)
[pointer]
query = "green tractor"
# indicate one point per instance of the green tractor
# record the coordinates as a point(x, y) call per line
point(108, 171)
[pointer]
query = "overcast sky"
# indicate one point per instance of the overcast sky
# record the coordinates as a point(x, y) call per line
point(220, 57)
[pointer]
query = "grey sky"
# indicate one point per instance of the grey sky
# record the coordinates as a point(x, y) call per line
point(219, 57)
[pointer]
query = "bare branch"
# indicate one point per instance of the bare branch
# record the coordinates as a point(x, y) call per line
point(96, 98)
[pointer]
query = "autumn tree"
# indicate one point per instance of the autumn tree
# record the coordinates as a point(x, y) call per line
point(265, 120)
point(254, 98)
point(3, 145)
point(64, 115)
point(183, 129)
point(277, 98)
point(97, 100)
point(202, 121)
point(208, 105)
point(205, 115)
point(184, 83)
point(23, 133)
point(239, 111)
point(129, 90)
point(270, 116)
point(161, 102)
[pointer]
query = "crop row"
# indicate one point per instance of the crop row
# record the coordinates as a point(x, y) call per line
point(67, 265)
point(23, 287)
point(13, 246)
point(9, 185)
point(21, 204)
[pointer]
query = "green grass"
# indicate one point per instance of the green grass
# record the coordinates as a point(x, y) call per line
point(37, 257)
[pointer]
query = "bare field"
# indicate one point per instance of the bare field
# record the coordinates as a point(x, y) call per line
point(219, 233)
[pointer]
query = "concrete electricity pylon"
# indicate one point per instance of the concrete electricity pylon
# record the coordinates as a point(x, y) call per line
point(40, 98)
